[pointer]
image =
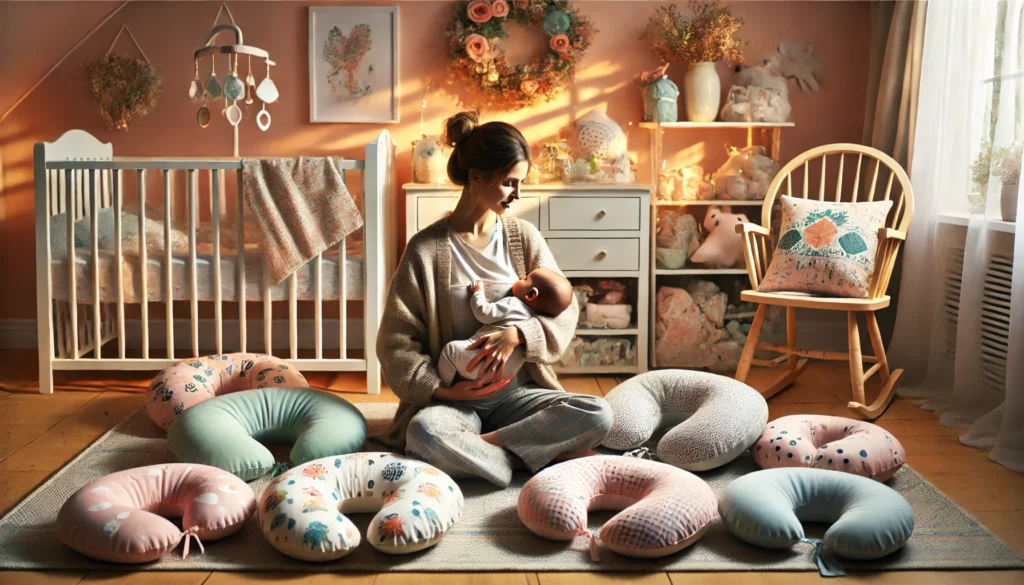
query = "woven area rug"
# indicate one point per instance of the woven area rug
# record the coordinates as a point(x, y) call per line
point(489, 537)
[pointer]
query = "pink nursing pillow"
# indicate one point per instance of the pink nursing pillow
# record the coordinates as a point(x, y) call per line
point(664, 509)
point(189, 382)
point(830, 442)
point(120, 517)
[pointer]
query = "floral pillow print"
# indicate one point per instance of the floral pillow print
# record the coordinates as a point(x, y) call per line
point(826, 248)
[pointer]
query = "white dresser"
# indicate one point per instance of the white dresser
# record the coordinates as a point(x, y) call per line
point(594, 231)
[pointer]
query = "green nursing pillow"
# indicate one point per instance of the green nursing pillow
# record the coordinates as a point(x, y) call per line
point(228, 431)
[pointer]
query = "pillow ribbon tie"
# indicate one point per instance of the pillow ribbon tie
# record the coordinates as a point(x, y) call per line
point(193, 533)
point(828, 565)
point(595, 554)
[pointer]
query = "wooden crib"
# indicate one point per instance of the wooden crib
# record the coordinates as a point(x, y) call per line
point(196, 253)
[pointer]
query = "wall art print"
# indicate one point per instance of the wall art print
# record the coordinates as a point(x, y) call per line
point(353, 64)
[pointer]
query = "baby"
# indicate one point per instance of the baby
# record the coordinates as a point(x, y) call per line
point(542, 291)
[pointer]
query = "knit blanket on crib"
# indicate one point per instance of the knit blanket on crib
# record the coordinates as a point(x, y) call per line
point(301, 206)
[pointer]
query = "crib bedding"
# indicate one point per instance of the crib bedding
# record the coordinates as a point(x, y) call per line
point(180, 277)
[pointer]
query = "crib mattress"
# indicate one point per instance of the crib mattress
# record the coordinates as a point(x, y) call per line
point(181, 283)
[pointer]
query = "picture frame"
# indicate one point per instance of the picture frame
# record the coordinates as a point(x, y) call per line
point(363, 89)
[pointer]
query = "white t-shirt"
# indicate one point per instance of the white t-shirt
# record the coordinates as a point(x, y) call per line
point(493, 265)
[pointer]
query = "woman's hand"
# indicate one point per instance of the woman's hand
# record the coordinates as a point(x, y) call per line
point(472, 389)
point(497, 348)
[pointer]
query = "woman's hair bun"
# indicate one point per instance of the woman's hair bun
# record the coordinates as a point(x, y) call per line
point(459, 127)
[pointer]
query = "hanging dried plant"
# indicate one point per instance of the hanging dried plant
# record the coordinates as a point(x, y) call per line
point(124, 87)
point(708, 35)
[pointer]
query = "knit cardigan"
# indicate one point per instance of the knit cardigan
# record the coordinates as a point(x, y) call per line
point(417, 321)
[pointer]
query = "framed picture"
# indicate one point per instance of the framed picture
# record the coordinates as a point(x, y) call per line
point(353, 64)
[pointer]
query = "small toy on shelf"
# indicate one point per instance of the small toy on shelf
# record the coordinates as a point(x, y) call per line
point(660, 96)
point(429, 163)
point(723, 247)
point(745, 176)
point(595, 140)
point(685, 184)
point(553, 164)
point(760, 93)
point(677, 237)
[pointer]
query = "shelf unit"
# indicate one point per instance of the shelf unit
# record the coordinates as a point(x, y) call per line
point(770, 137)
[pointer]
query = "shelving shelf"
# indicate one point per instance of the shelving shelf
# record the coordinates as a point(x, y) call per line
point(770, 135)
point(720, 202)
point(694, 271)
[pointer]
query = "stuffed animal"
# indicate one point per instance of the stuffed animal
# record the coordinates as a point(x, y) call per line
point(723, 247)
point(745, 175)
point(760, 93)
point(429, 163)
point(798, 61)
point(678, 237)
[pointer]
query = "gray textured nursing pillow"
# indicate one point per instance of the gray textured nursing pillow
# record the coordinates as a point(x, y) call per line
point(713, 418)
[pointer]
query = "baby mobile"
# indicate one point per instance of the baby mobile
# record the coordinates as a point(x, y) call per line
point(475, 54)
point(233, 89)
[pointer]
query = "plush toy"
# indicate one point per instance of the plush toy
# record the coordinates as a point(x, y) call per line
point(745, 175)
point(429, 163)
point(723, 247)
point(678, 237)
point(760, 92)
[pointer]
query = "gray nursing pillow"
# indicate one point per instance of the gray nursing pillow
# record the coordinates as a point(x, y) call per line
point(711, 419)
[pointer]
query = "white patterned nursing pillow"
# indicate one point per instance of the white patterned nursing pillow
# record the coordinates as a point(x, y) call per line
point(302, 512)
point(664, 509)
point(711, 419)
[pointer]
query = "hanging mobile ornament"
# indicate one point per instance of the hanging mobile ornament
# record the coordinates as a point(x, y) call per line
point(267, 91)
point(203, 115)
point(250, 83)
point(263, 118)
point(195, 92)
point(234, 89)
point(213, 89)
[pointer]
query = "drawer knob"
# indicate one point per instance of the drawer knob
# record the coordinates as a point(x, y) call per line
point(602, 255)
point(602, 213)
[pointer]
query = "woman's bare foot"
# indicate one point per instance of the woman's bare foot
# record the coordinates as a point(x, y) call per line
point(574, 455)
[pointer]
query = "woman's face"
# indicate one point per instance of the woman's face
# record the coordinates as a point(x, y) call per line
point(499, 196)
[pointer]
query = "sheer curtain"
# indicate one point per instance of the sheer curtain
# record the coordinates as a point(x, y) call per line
point(952, 314)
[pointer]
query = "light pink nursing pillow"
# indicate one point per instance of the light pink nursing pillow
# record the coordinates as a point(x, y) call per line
point(121, 517)
point(830, 442)
point(189, 382)
point(664, 509)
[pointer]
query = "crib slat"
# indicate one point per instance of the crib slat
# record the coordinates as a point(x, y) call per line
point(140, 175)
point(293, 316)
point(193, 186)
point(168, 266)
point(318, 299)
point(241, 260)
point(80, 194)
point(94, 199)
point(218, 314)
point(342, 296)
point(51, 187)
point(118, 189)
point(69, 184)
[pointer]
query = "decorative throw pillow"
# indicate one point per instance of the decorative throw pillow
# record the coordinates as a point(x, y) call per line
point(826, 248)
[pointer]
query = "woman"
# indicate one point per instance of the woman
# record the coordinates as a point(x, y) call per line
point(480, 428)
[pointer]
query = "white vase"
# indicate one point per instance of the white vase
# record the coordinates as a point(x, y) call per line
point(1008, 202)
point(702, 92)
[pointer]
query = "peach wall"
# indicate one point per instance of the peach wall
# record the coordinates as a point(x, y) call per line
point(33, 35)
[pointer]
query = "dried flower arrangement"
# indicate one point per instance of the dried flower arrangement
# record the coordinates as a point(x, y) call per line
point(124, 87)
point(708, 35)
point(1008, 161)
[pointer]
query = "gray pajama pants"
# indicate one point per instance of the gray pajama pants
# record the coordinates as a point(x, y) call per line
point(535, 424)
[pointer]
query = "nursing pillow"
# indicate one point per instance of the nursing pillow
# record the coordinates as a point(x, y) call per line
point(227, 431)
point(120, 518)
point(711, 418)
point(303, 512)
point(869, 520)
point(189, 382)
point(664, 509)
point(830, 442)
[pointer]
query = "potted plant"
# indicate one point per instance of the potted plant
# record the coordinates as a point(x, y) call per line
point(1008, 162)
point(660, 95)
point(706, 37)
point(980, 170)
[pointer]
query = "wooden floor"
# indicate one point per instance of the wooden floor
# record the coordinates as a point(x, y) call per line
point(39, 434)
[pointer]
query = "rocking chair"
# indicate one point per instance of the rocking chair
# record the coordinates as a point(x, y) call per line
point(757, 251)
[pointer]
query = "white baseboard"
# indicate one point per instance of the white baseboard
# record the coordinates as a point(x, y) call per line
point(21, 334)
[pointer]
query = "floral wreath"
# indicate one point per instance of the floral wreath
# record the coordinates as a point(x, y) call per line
point(476, 56)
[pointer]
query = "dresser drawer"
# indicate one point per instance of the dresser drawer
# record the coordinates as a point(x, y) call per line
point(596, 253)
point(594, 213)
point(432, 208)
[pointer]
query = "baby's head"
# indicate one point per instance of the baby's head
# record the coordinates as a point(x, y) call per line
point(544, 291)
